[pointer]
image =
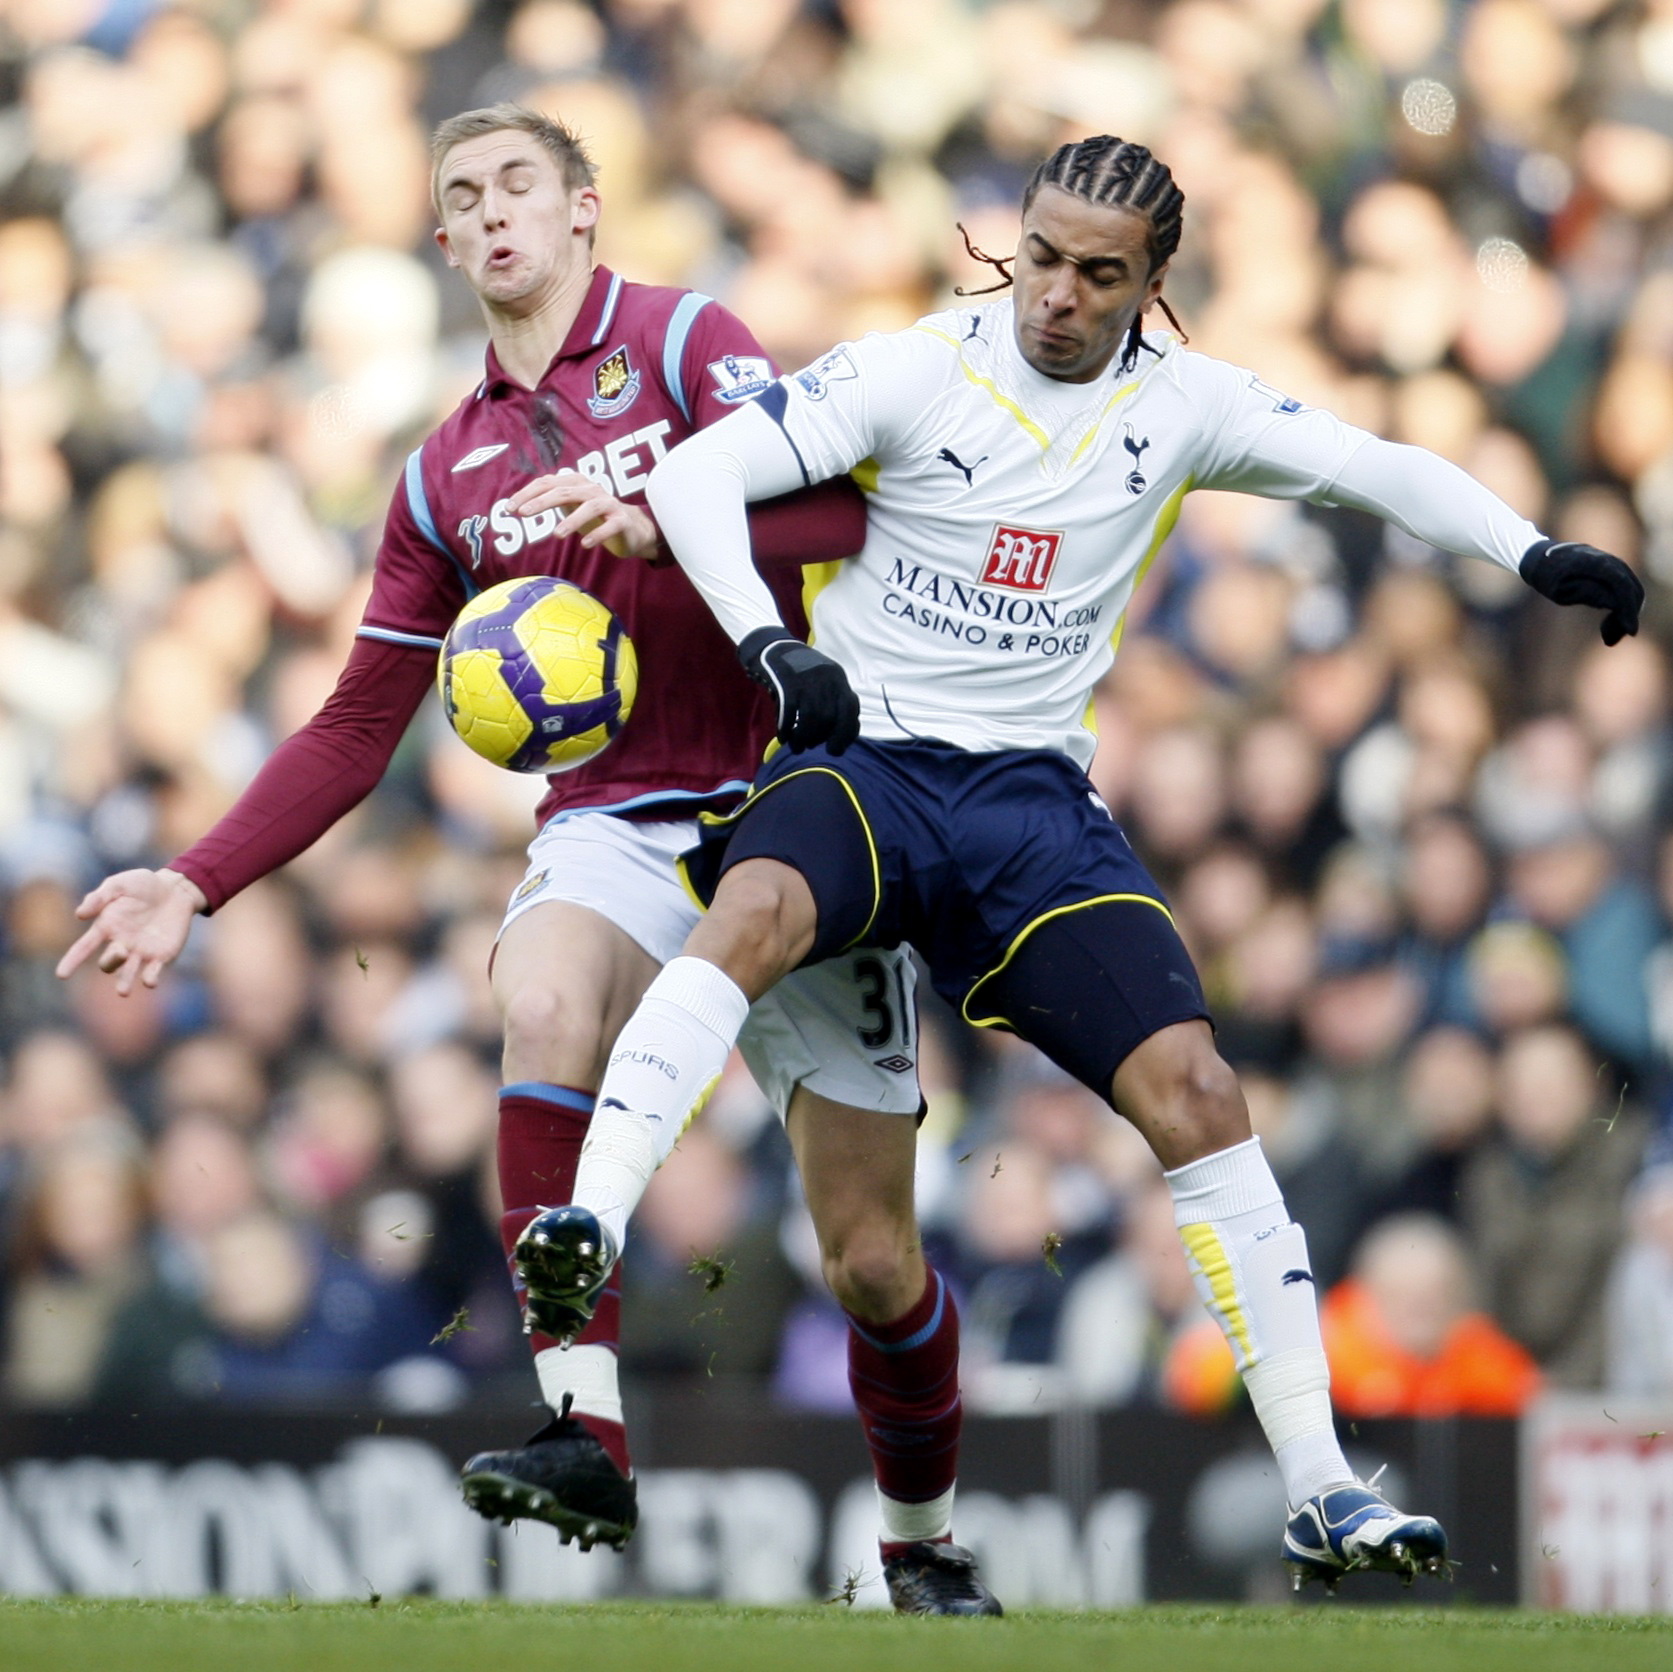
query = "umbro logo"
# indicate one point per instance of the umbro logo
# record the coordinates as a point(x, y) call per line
point(968, 471)
point(896, 1064)
point(480, 456)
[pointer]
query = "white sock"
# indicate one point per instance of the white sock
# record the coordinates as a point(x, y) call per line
point(1251, 1269)
point(905, 1523)
point(587, 1373)
point(663, 1066)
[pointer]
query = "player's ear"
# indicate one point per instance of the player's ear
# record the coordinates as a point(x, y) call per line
point(445, 245)
point(1153, 288)
point(584, 209)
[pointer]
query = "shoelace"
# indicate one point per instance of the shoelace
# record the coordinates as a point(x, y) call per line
point(562, 1426)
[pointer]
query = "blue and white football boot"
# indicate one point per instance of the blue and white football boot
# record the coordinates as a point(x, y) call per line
point(563, 1258)
point(1351, 1528)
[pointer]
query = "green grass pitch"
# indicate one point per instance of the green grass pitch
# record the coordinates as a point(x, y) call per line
point(424, 1636)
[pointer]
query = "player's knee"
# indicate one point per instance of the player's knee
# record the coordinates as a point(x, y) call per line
point(546, 1032)
point(1210, 1101)
point(871, 1272)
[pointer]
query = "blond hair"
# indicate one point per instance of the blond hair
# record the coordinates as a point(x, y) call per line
point(562, 142)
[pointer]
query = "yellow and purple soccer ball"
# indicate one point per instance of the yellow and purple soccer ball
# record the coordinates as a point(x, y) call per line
point(537, 675)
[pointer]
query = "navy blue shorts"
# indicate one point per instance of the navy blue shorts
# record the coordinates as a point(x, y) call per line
point(1005, 871)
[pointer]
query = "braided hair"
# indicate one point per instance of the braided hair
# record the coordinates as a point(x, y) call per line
point(1114, 174)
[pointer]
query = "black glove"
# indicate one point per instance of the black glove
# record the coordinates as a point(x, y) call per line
point(1570, 573)
point(816, 704)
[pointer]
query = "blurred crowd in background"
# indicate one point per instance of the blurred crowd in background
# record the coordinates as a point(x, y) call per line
point(1417, 825)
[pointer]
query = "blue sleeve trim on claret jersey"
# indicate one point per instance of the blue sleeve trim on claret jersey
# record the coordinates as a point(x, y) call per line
point(424, 641)
point(918, 1337)
point(651, 798)
point(673, 346)
point(566, 1097)
point(774, 402)
point(611, 297)
point(418, 502)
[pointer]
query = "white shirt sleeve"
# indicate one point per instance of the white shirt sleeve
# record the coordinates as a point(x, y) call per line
point(860, 400)
point(1433, 501)
point(816, 423)
point(697, 495)
point(1264, 443)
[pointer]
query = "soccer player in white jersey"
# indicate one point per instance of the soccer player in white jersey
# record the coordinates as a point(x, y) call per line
point(1023, 461)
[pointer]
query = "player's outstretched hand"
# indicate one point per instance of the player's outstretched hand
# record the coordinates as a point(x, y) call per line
point(140, 923)
point(599, 517)
point(816, 704)
point(1567, 572)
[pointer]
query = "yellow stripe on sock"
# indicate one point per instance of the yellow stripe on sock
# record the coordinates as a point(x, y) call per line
point(702, 1102)
point(1205, 1247)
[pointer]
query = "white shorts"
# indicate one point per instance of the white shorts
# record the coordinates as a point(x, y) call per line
point(846, 1029)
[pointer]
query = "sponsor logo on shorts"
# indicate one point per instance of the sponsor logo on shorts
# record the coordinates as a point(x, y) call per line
point(1021, 559)
point(530, 885)
point(616, 384)
point(480, 456)
point(740, 377)
point(897, 1064)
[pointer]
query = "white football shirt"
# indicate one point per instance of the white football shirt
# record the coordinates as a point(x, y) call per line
point(1011, 515)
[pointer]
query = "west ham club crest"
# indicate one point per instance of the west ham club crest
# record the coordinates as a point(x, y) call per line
point(615, 386)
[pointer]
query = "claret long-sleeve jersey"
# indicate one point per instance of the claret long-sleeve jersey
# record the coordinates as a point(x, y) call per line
point(1012, 515)
point(642, 368)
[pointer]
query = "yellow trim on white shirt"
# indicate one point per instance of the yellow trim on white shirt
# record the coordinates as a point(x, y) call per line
point(1109, 406)
point(1004, 402)
point(1163, 527)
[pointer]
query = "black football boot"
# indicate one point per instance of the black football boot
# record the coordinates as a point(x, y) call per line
point(561, 1475)
point(937, 1579)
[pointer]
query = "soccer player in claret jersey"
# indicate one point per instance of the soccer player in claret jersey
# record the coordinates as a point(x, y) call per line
point(541, 470)
point(1023, 460)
